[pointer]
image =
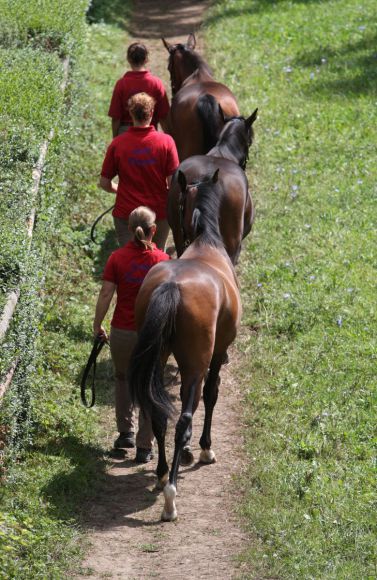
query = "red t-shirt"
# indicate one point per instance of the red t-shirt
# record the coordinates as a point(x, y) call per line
point(127, 268)
point(130, 84)
point(142, 158)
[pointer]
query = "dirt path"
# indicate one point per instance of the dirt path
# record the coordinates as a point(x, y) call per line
point(127, 539)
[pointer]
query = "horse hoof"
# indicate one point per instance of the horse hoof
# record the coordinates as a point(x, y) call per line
point(187, 457)
point(168, 517)
point(169, 513)
point(207, 456)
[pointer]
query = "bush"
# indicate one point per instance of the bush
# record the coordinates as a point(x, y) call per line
point(53, 25)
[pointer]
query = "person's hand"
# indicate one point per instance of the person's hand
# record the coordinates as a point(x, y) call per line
point(99, 331)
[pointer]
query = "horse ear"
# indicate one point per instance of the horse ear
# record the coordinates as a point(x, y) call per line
point(166, 44)
point(250, 120)
point(215, 176)
point(191, 41)
point(182, 181)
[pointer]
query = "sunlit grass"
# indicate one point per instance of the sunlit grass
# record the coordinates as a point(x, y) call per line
point(308, 280)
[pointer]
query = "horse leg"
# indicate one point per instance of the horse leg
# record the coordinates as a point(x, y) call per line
point(183, 431)
point(159, 425)
point(210, 394)
point(187, 457)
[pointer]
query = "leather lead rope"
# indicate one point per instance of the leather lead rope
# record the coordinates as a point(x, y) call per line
point(98, 345)
point(92, 236)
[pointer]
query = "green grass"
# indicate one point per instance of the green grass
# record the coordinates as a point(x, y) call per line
point(54, 453)
point(308, 278)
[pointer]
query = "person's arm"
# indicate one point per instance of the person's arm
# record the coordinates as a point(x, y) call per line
point(103, 303)
point(116, 108)
point(115, 125)
point(172, 161)
point(107, 185)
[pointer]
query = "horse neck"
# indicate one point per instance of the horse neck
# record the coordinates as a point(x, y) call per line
point(222, 150)
point(196, 71)
point(232, 145)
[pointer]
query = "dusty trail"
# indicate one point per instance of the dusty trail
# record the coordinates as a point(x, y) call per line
point(127, 539)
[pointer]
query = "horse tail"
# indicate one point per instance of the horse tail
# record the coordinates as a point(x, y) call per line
point(145, 374)
point(210, 116)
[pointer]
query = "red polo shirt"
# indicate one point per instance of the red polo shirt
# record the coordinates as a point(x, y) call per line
point(127, 268)
point(130, 84)
point(142, 158)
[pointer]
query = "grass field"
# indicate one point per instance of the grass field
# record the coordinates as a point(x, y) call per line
point(308, 280)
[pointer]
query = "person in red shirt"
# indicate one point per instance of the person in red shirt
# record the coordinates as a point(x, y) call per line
point(144, 160)
point(124, 272)
point(137, 80)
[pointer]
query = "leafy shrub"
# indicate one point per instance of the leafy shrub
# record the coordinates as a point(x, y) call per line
point(53, 25)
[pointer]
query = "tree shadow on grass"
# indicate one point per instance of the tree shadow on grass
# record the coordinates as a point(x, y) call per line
point(256, 7)
point(120, 496)
point(116, 12)
point(65, 491)
point(359, 56)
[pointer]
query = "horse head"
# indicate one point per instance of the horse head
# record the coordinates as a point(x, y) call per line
point(182, 62)
point(235, 139)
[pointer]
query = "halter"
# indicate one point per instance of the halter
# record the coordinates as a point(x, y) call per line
point(172, 51)
point(181, 212)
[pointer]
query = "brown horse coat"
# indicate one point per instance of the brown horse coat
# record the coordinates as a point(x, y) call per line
point(236, 214)
point(192, 81)
point(235, 207)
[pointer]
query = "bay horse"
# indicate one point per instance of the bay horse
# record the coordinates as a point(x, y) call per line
point(195, 120)
point(236, 213)
point(191, 308)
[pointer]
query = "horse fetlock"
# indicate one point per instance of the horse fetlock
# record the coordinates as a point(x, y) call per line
point(169, 512)
point(162, 481)
point(207, 456)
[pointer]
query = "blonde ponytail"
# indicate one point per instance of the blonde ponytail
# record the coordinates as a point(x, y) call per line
point(140, 222)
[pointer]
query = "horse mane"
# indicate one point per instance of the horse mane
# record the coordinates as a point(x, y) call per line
point(205, 217)
point(233, 141)
point(194, 60)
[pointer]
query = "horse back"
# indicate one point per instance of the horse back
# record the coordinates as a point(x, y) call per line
point(188, 127)
point(192, 89)
point(235, 203)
